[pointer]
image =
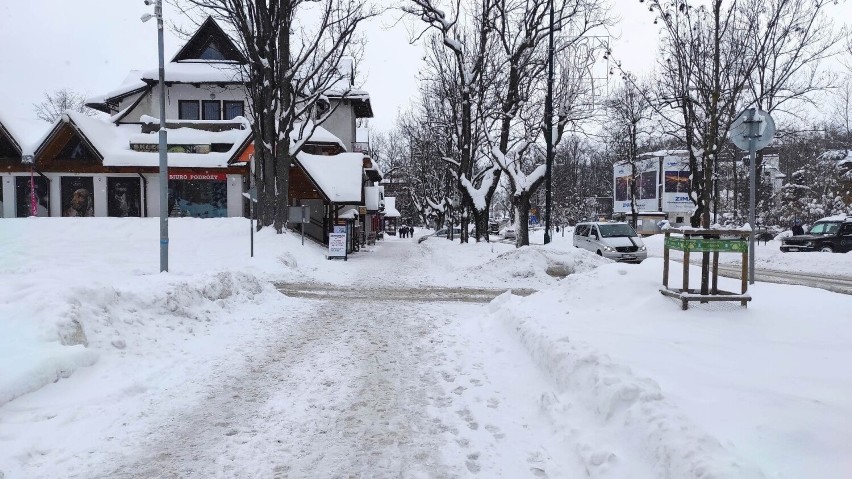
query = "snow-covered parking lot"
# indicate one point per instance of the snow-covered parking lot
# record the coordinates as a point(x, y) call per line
point(109, 369)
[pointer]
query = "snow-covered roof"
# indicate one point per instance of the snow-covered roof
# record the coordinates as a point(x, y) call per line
point(131, 84)
point(338, 176)
point(390, 207)
point(320, 135)
point(26, 132)
point(113, 143)
point(349, 214)
point(210, 72)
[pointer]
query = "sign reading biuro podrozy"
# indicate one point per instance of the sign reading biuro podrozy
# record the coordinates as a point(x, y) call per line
point(337, 245)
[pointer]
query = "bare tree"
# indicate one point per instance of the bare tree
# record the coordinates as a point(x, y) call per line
point(60, 101)
point(522, 29)
point(788, 69)
point(466, 36)
point(295, 49)
point(628, 111)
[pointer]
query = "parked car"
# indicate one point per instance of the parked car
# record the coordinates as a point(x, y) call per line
point(508, 232)
point(831, 234)
point(445, 232)
point(617, 241)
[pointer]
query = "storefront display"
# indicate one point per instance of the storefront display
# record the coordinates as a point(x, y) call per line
point(25, 198)
point(198, 196)
point(77, 196)
point(124, 197)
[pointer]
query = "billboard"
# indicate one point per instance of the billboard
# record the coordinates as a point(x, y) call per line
point(647, 186)
point(676, 185)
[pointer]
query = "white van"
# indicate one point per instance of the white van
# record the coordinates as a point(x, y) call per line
point(617, 241)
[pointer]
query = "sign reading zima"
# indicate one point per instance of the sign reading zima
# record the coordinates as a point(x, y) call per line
point(703, 245)
point(676, 185)
point(646, 180)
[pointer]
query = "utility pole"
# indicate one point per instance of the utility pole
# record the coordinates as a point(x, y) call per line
point(548, 130)
point(164, 166)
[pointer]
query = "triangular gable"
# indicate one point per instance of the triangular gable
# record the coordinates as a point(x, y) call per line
point(9, 147)
point(65, 147)
point(209, 43)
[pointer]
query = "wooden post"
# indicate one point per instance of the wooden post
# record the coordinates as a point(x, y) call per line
point(666, 261)
point(715, 273)
point(745, 275)
point(685, 266)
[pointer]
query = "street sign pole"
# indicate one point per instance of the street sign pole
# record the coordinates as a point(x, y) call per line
point(251, 194)
point(305, 216)
point(752, 130)
point(752, 153)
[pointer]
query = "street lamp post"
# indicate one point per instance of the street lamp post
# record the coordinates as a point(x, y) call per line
point(164, 166)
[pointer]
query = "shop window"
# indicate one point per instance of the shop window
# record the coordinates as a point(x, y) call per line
point(24, 196)
point(211, 110)
point(188, 110)
point(124, 197)
point(233, 109)
point(78, 195)
point(198, 198)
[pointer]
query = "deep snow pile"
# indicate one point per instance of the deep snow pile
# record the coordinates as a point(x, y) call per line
point(88, 286)
point(715, 391)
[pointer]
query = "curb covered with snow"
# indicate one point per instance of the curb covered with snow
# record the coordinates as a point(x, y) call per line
point(677, 448)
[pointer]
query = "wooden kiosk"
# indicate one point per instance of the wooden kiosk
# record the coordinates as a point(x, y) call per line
point(713, 241)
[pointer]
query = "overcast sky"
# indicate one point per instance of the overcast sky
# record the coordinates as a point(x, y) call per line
point(90, 45)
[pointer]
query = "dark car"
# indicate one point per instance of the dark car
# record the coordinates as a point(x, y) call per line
point(832, 234)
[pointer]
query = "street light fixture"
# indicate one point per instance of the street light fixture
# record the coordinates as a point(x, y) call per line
point(164, 166)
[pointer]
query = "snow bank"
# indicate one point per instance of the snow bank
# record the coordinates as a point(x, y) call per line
point(61, 311)
point(539, 263)
point(619, 398)
point(90, 320)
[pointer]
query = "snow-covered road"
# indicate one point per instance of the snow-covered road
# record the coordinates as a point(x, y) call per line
point(360, 386)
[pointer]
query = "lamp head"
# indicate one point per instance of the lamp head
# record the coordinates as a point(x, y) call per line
point(147, 16)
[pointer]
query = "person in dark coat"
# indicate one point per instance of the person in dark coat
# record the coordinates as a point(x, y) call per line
point(797, 228)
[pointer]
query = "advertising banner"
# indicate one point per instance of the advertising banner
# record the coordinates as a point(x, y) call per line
point(77, 193)
point(676, 185)
point(337, 245)
point(647, 186)
point(23, 196)
point(124, 197)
